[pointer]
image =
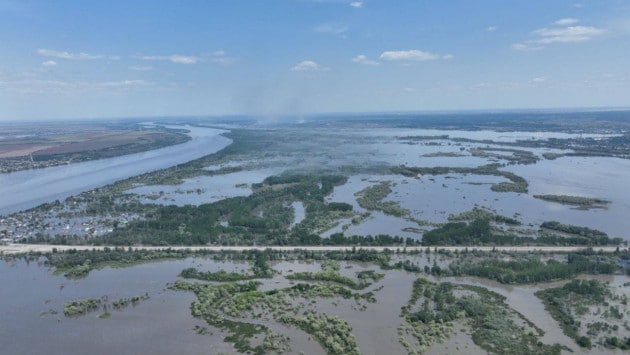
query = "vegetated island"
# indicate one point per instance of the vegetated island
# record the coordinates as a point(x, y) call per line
point(81, 307)
point(580, 201)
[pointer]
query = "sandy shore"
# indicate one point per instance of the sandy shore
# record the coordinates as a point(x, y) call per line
point(27, 248)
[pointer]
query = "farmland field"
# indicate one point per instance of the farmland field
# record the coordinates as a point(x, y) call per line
point(25, 147)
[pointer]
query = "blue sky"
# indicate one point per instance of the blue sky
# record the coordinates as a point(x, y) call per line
point(91, 59)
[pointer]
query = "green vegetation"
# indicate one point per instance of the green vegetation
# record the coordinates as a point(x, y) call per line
point(209, 298)
point(244, 310)
point(81, 307)
point(515, 184)
point(127, 301)
point(478, 213)
point(618, 146)
point(333, 333)
point(443, 154)
point(569, 229)
point(190, 225)
point(260, 269)
point(330, 273)
point(474, 233)
point(556, 232)
point(583, 297)
point(119, 257)
point(221, 275)
point(496, 328)
point(371, 198)
point(530, 269)
point(105, 315)
point(75, 263)
point(359, 240)
point(582, 202)
point(517, 156)
point(215, 302)
point(369, 275)
point(552, 156)
point(479, 232)
point(79, 270)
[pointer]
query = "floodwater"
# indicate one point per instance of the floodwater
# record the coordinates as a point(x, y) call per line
point(160, 325)
point(163, 323)
point(428, 198)
point(299, 212)
point(29, 188)
point(434, 198)
point(480, 135)
point(203, 189)
point(605, 178)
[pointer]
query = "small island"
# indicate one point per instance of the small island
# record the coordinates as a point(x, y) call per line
point(580, 201)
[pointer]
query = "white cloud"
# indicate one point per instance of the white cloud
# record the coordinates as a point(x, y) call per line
point(183, 59)
point(362, 59)
point(175, 58)
point(578, 5)
point(566, 21)
point(410, 90)
point(124, 83)
point(331, 28)
point(559, 34)
point(141, 68)
point(357, 4)
point(526, 47)
point(218, 57)
point(73, 56)
point(538, 80)
point(49, 63)
point(151, 57)
point(412, 55)
point(567, 34)
point(491, 28)
point(308, 65)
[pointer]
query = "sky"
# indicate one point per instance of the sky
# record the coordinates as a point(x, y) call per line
point(142, 58)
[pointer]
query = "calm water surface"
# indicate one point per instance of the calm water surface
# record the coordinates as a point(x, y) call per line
point(160, 325)
point(26, 189)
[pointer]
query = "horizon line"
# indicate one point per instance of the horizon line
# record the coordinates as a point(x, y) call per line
point(332, 113)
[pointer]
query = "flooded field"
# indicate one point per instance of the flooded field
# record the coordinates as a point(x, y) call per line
point(367, 158)
point(200, 190)
point(284, 186)
point(32, 302)
point(429, 198)
point(163, 322)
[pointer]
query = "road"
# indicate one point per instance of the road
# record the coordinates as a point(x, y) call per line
point(10, 249)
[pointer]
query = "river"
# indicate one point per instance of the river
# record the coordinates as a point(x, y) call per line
point(29, 188)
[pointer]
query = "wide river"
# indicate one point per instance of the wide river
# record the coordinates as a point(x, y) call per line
point(29, 188)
